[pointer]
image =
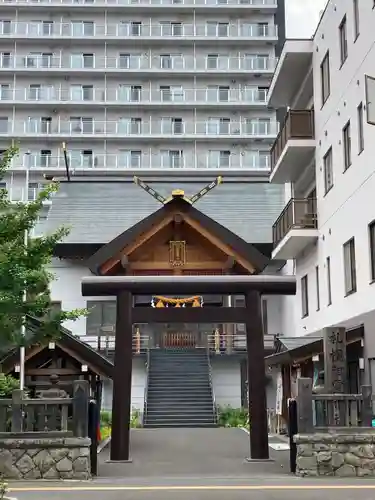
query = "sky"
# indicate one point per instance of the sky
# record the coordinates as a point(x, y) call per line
point(302, 17)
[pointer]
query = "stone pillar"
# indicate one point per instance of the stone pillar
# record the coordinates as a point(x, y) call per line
point(335, 372)
point(122, 378)
point(256, 377)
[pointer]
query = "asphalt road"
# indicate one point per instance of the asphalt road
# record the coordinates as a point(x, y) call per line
point(257, 489)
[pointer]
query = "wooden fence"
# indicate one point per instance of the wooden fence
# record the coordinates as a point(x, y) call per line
point(321, 412)
point(64, 415)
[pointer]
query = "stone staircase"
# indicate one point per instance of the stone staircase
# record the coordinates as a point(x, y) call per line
point(179, 392)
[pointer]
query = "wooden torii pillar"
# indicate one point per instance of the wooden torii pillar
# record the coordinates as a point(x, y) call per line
point(252, 287)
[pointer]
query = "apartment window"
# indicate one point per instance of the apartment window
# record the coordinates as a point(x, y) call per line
point(136, 28)
point(177, 126)
point(81, 124)
point(356, 18)
point(82, 60)
point(3, 124)
point(317, 286)
point(361, 139)
point(371, 230)
point(212, 61)
point(131, 126)
point(219, 159)
point(262, 29)
point(45, 158)
point(171, 28)
point(166, 61)
point(5, 91)
point(171, 93)
point(329, 283)
point(350, 274)
point(101, 318)
point(3, 185)
point(325, 78)
point(5, 27)
point(82, 28)
point(33, 190)
point(328, 171)
point(172, 158)
point(215, 29)
point(218, 126)
point(343, 41)
point(305, 296)
point(40, 28)
point(130, 93)
point(131, 158)
point(5, 59)
point(124, 61)
point(82, 92)
point(346, 140)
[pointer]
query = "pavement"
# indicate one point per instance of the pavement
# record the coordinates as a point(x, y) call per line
point(195, 464)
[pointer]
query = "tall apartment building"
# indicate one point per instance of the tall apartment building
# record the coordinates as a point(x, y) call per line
point(173, 91)
point(324, 157)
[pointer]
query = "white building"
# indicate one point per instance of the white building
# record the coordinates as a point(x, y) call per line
point(325, 158)
point(171, 90)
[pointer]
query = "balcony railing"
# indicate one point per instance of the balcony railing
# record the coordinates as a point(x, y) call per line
point(152, 129)
point(124, 96)
point(299, 124)
point(155, 63)
point(145, 3)
point(53, 30)
point(120, 162)
point(298, 214)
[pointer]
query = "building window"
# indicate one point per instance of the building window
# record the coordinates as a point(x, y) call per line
point(343, 41)
point(361, 140)
point(328, 171)
point(346, 140)
point(350, 274)
point(356, 19)
point(329, 284)
point(101, 319)
point(325, 78)
point(305, 296)
point(317, 288)
point(371, 229)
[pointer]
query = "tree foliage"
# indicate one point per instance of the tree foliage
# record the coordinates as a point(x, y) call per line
point(24, 267)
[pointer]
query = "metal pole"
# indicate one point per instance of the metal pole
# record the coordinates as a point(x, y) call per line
point(26, 237)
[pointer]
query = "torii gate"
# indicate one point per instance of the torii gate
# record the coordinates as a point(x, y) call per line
point(252, 287)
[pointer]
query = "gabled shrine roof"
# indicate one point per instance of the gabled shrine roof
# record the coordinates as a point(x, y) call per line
point(97, 211)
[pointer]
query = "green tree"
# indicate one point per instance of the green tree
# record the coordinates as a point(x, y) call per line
point(24, 267)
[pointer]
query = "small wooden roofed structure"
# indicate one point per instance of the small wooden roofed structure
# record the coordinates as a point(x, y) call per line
point(63, 357)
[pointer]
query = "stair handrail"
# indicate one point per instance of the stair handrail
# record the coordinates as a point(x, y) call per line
point(147, 377)
point(214, 407)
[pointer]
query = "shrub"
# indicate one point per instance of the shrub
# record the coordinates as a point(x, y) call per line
point(7, 385)
point(233, 417)
point(106, 418)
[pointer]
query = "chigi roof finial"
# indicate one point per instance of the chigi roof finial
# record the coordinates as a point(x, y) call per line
point(178, 193)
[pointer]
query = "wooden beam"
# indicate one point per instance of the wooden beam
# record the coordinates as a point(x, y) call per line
point(189, 266)
point(136, 244)
point(122, 379)
point(189, 314)
point(218, 243)
point(183, 285)
point(52, 371)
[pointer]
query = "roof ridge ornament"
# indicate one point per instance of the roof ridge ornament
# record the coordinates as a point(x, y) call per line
point(178, 193)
